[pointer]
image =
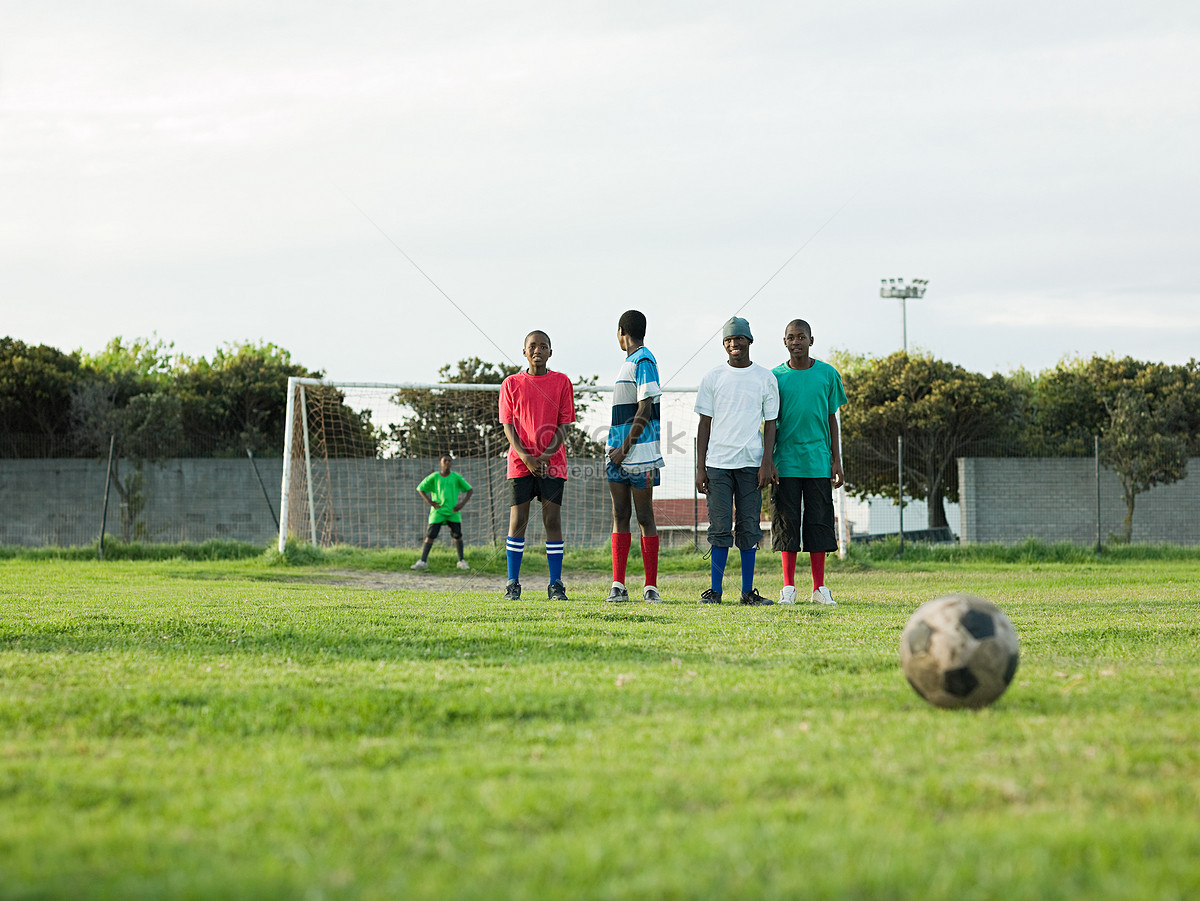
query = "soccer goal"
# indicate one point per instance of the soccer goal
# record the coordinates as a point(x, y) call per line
point(354, 453)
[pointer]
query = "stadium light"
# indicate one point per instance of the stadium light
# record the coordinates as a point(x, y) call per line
point(898, 287)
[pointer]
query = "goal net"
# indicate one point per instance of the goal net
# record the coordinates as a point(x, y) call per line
point(354, 453)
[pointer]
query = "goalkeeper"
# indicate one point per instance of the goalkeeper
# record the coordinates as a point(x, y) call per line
point(447, 493)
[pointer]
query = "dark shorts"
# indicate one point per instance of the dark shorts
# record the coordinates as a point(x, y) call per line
point(436, 527)
point(545, 488)
point(618, 474)
point(802, 515)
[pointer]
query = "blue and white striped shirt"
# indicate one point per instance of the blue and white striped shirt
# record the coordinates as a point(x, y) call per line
point(636, 381)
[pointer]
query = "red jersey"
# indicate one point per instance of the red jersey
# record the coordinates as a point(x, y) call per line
point(536, 405)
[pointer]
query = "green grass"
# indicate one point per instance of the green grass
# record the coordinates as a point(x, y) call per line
point(204, 728)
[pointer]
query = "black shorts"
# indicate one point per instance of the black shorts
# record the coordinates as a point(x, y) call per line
point(802, 515)
point(436, 527)
point(546, 488)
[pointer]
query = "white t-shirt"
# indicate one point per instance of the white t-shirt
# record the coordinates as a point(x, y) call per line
point(738, 400)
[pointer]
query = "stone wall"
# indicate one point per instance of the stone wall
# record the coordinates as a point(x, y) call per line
point(60, 502)
point(1009, 499)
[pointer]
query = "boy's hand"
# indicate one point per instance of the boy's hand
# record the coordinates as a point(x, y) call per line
point(839, 477)
point(702, 479)
point(617, 454)
point(535, 465)
point(767, 474)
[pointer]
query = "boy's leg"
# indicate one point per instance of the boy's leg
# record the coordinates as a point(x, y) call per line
point(518, 519)
point(622, 510)
point(643, 502)
point(748, 532)
point(551, 493)
point(785, 532)
point(720, 528)
point(820, 536)
point(456, 531)
point(427, 545)
point(552, 520)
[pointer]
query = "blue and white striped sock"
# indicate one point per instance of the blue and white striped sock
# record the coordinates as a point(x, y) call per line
point(516, 550)
point(554, 559)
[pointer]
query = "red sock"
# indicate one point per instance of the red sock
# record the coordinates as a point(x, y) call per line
point(650, 559)
point(818, 568)
point(620, 544)
point(789, 568)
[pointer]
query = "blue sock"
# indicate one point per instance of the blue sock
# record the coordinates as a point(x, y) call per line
point(748, 569)
point(719, 557)
point(516, 550)
point(554, 559)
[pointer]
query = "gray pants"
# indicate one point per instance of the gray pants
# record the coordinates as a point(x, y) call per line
point(734, 491)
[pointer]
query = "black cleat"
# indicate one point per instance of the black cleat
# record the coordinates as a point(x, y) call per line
point(557, 591)
point(708, 596)
point(512, 591)
point(752, 598)
point(618, 595)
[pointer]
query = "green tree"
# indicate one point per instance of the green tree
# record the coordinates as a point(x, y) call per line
point(35, 399)
point(1145, 443)
point(941, 410)
point(465, 423)
point(122, 397)
point(1147, 417)
point(238, 400)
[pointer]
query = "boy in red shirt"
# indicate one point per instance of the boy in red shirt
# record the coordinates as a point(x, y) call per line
point(537, 407)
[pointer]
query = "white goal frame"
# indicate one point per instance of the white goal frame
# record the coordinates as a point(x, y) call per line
point(297, 401)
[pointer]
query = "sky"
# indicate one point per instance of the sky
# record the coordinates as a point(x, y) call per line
point(384, 188)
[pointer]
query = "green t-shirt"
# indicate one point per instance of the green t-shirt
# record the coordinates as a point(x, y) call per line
point(803, 448)
point(445, 491)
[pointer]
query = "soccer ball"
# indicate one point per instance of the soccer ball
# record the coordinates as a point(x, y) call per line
point(959, 650)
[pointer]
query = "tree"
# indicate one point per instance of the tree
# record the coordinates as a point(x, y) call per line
point(35, 399)
point(1145, 414)
point(465, 423)
point(1145, 443)
point(122, 398)
point(238, 401)
point(941, 410)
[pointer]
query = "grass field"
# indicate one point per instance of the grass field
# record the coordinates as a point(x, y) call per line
point(245, 729)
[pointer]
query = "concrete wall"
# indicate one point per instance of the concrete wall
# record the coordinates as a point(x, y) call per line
point(59, 502)
point(1007, 500)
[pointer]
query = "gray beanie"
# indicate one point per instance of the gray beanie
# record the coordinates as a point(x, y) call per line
point(736, 326)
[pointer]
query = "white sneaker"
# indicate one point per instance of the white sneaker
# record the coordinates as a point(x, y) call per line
point(462, 564)
point(788, 594)
point(824, 596)
point(420, 564)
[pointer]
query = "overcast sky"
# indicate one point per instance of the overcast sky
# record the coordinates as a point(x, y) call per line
point(214, 172)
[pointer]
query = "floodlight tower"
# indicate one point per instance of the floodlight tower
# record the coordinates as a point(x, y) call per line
point(898, 287)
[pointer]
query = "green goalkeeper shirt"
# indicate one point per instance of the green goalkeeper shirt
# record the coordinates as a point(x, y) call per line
point(445, 491)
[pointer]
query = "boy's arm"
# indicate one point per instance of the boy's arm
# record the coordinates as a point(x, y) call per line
point(702, 434)
point(533, 464)
point(462, 501)
point(766, 470)
point(835, 447)
point(641, 418)
point(428, 498)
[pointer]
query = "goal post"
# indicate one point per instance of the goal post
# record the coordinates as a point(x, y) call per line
point(354, 453)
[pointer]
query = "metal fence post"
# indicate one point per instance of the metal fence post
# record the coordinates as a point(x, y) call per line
point(900, 480)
